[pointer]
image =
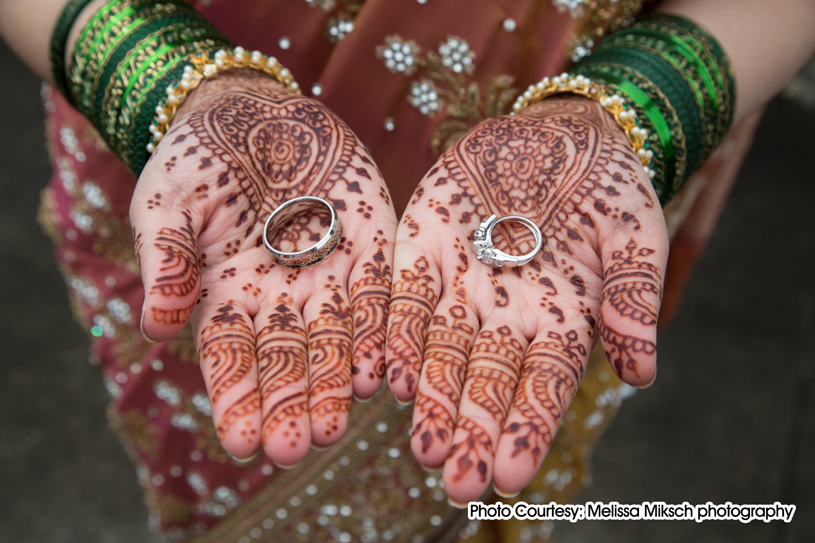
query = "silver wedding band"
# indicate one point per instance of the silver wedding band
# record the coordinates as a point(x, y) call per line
point(487, 253)
point(298, 207)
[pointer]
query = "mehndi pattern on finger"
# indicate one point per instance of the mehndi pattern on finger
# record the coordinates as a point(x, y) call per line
point(228, 349)
point(370, 297)
point(282, 353)
point(552, 371)
point(330, 351)
point(179, 271)
point(412, 303)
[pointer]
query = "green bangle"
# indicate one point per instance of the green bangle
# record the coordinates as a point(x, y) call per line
point(656, 114)
point(672, 84)
point(127, 54)
point(59, 41)
point(708, 43)
point(680, 81)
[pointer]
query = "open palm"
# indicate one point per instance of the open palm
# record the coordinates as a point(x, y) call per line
point(494, 355)
point(281, 351)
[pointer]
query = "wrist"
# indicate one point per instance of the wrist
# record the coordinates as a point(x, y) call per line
point(235, 80)
point(204, 68)
point(580, 106)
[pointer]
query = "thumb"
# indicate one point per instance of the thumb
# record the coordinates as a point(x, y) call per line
point(166, 250)
point(632, 294)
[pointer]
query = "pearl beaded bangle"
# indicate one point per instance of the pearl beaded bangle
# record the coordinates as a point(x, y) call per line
point(625, 115)
point(202, 68)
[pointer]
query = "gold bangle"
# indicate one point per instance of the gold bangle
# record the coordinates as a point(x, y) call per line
point(202, 68)
point(615, 104)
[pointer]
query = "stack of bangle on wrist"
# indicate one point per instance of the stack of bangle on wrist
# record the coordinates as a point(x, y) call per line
point(132, 57)
point(673, 78)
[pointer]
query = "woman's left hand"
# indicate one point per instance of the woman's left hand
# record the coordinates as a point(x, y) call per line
point(495, 355)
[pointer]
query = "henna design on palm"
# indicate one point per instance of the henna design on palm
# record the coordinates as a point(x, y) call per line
point(277, 347)
point(564, 164)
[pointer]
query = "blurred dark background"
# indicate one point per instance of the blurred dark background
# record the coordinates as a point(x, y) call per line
point(730, 418)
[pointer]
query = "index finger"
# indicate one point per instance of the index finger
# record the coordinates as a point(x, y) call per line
point(551, 373)
point(228, 361)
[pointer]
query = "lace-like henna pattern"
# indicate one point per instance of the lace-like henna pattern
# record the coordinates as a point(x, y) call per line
point(369, 302)
point(276, 147)
point(565, 165)
point(628, 282)
point(179, 273)
point(495, 362)
point(330, 355)
point(447, 349)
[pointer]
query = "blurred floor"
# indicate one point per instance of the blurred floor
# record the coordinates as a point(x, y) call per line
point(730, 418)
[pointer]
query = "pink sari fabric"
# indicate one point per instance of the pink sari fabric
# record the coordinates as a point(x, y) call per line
point(367, 487)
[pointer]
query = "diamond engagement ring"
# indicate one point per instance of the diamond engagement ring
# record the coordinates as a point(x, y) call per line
point(487, 253)
point(297, 207)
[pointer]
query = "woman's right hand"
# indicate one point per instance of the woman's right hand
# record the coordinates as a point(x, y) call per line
point(281, 351)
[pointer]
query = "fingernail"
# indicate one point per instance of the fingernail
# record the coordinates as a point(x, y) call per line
point(457, 505)
point(243, 460)
point(647, 385)
point(505, 494)
point(319, 449)
point(400, 402)
point(143, 333)
point(428, 469)
point(281, 466)
point(362, 400)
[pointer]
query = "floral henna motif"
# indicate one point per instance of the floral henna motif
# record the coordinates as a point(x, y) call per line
point(446, 351)
point(275, 146)
point(628, 280)
point(330, 352)
point(495, 362)
point(475, 451)
point(369, 303)
point(632, 288)
point(179, 271)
